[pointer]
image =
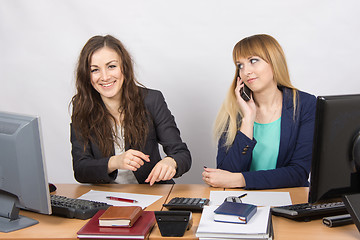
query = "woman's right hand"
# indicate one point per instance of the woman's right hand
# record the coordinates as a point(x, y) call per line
point(130, 160)
point(247, 108)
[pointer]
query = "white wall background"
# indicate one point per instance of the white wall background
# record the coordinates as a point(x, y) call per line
point(182, 48)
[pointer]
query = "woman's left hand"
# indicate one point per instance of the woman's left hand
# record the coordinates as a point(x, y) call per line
point(163, 170)
point(221, 178)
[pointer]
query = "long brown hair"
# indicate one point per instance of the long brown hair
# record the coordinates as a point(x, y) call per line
point(91, 119)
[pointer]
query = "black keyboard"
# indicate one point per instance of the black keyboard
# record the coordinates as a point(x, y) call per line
point(75, 208)
point(191, 204)
point(308, 211)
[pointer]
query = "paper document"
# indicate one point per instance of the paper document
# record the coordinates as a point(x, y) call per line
point(270, 199)
point(143, 200)
point(256, 228)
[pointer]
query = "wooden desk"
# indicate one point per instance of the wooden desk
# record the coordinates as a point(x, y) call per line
point(52, 227)
point(289, 229)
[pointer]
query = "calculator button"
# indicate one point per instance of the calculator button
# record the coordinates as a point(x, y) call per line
point(174, 200)
point(181, 203)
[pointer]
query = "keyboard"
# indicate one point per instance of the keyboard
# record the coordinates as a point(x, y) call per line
point(75, 208)
point(191, 204)
point(308, 211)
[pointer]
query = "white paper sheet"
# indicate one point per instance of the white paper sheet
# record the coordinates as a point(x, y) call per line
point(257, 226)
point(100, 196)
point(270, 199)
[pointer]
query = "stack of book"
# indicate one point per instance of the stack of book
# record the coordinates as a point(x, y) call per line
point(118, 223)
point(254, 224)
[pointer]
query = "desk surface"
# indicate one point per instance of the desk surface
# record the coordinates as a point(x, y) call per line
point(52, 227)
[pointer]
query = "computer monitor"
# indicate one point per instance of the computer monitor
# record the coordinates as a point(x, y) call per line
point(23, 178)
point(335, 167)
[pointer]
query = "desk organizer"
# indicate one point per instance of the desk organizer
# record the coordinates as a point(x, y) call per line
point(173, 223)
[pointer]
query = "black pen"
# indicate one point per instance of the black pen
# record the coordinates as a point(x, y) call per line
point(243, 195)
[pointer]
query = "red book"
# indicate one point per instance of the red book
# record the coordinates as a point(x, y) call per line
point(139, 230)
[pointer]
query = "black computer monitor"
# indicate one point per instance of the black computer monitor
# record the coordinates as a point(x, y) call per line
point(23, 178)
point(335, 167)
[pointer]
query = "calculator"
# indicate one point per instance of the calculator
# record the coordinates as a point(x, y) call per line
point(181, 203)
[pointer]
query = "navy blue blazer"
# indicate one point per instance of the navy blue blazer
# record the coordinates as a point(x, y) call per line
point(90, 166)
point(295, 150)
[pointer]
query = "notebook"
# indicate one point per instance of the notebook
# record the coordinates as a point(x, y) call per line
point(139, 230)
point(234, 212)
point(116, 216)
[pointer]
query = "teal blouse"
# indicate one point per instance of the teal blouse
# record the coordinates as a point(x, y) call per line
point(266, 150)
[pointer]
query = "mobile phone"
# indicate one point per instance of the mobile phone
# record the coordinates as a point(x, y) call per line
point(245, 91)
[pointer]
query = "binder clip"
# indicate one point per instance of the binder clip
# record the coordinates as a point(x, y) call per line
point(173, 223)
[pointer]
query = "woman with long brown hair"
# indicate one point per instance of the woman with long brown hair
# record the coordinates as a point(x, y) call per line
point(117, 123)
point(265, 140)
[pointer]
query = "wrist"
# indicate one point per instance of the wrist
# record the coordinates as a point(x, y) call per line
point(247, 121)
point(173, 162)
point(247, 128)
point(238, 180)
point(111, 165)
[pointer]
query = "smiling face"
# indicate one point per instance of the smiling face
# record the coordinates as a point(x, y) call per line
point(106, 75)
point(256, 73)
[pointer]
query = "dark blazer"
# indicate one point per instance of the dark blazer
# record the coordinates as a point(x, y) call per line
point(295, 151)
point(90, 166)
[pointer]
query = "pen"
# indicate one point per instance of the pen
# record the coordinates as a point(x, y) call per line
point(121, 199)
point(243, 195)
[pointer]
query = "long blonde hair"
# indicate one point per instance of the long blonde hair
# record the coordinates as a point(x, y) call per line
point(228, 120)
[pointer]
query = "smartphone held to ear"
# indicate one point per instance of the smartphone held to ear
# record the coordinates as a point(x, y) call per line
point(245, 93)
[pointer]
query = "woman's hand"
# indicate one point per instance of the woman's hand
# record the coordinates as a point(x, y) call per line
point(163, 170)
point(248, 109)
point(130, 160)
point(221, 178)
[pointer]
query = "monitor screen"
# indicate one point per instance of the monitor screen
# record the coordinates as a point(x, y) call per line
point(335, 164)
point(23, 178)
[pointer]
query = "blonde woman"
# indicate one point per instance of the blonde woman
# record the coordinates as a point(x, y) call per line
point(264, 142)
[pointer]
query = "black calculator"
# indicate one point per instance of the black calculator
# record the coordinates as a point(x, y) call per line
point(191, 204)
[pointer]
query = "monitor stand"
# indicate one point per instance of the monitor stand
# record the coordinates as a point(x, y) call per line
point(352, 203)
point(356, 152)
point(10, 220)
